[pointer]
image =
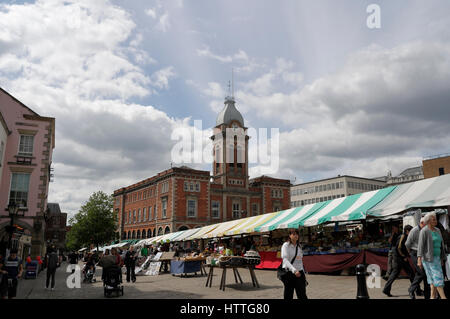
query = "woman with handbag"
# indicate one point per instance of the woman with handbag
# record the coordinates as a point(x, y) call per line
point(291, 271)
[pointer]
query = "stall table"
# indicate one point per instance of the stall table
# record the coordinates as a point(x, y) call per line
point(235, 272)
point(187, 266)
point(165, 260)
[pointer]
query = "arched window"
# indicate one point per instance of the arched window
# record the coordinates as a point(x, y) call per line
point(129, 235)
point(154, 232)
point(167, 230)
point(133, 235)
point(160, 231)
point(149, 233)
point(138, 235)
point(182, 228)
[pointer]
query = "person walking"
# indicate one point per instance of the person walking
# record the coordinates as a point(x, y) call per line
point(392, 241)
point(295, 278)
point(14, 268)
point(412, 244)
point(431, 255)
point(130, 263)
point(52, 263)
point(3, 279)
point(73, 260)
point(400, 261)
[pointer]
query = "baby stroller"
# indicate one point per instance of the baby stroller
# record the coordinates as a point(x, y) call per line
point(89, 275)
point(111, 282)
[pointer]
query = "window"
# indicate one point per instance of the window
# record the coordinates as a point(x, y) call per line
point(150, 213)
point(155, 212)
point(191, 187)
point(129, 217)
point(134, 217)
point(215, 212)
point(191, 208)
point(441, 171)
point(164, 187)
point(26, 145)
point(255, 210)
point(236, 210)
point(341, 184)
point(19, 189)
point(139, 215)
point(164, 208)
point(186, 186)
point(197, 187)
point(144, 216)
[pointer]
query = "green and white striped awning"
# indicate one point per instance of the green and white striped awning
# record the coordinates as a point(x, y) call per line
point(348, 208)
point(430, 192)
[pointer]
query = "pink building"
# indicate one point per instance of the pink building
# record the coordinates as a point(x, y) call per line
point(25, 172)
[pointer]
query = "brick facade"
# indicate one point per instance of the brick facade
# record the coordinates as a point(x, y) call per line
point(195, 198)
point(436, 166)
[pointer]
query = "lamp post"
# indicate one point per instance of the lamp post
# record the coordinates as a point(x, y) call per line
point(12, 209)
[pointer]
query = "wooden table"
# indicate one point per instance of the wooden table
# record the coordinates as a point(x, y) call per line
point(235, 272)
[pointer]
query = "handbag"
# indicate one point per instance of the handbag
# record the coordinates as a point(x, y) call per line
point(281, 272)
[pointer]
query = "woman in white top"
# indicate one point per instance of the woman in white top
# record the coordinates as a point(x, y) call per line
point(295, 278)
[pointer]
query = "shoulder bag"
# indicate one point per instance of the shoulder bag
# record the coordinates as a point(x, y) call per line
point(282, 272)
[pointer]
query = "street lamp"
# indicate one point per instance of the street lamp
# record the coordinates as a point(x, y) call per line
point(13, 210)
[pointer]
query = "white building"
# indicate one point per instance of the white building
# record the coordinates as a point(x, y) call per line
point(331, 188)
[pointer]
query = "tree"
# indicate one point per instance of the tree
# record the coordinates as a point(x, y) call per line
point(95, 223)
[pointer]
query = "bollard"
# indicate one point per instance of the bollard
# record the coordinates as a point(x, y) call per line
point(361, 279)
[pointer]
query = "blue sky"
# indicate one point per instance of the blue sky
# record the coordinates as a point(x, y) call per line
point(120, 76)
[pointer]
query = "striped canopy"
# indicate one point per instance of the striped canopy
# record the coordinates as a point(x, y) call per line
point(170, 236)
point(348, 208)
point(430, 192)
point(186, 233)
point(204, 230)
point(223, 227)
point(250, 224)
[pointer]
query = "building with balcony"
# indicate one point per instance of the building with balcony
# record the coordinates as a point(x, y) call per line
point(25, 170)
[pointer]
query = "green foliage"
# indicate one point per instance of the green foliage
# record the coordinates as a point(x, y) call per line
point(95, 223)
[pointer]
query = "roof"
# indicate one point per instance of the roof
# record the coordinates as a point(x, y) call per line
point(341, 176)
point(54, 208)
point(412, 171)
point(229, 113)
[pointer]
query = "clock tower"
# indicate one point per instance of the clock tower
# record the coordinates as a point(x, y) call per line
point(230, 148)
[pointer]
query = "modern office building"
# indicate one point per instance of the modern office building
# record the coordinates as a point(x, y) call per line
point(331, 188)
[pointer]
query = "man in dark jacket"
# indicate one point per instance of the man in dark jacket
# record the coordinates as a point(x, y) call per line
point(52, 263)
point(400, 261)
point(130, 263)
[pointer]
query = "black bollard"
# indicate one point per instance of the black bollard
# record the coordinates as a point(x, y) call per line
point(361, 279)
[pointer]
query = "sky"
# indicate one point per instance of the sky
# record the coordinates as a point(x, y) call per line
point(120, 77)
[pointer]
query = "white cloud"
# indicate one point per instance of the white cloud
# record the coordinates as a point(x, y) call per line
point(164, 22)
point(83, 74)
point(151, 13)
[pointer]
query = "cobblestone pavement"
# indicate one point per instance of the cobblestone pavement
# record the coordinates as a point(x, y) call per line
point(166, 286)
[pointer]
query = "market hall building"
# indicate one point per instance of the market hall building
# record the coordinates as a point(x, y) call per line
point(182, 198)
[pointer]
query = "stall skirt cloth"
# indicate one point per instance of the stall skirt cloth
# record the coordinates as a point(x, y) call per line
point(332, 262)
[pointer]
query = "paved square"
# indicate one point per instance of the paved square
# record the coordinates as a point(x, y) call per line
point(166, 286)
